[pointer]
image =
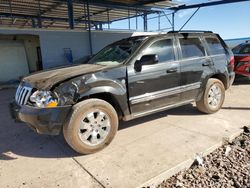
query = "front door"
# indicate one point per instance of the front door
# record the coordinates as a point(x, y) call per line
point(155, 86)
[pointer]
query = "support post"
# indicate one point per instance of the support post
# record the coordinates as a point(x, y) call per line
point(71, 14)
point(100, 26)
point(33, 22)
point(128, 19)
point(189, 18)
point(39, 20)
point(10, 6)
point(89, 30)
point(173, 21)
point(136, 21)
point(159, 22)
point(108, 19)
point(145, 21)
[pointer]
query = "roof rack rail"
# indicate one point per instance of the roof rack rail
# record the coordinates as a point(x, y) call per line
point(190, 31)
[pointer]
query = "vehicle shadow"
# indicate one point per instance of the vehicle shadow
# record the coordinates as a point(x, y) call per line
point(235, 108)
point(241, 80)
point(24, 142)
point(16, 139)
point(187, 110)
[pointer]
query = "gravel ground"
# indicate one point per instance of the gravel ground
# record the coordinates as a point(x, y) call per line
point(227, 166)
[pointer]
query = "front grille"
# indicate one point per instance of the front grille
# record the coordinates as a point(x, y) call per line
point(22, 94)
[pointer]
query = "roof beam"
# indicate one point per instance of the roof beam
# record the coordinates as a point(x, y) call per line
point(93, 14)
point(52, 7)
point(148, 2)
point(118, 5)
point(15, 15)
point(183, 7)
point(137, 15)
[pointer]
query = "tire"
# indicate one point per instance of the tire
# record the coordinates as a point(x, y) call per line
point(210, 101)
point(91, 127)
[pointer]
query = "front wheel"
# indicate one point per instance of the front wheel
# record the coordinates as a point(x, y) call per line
point(213, 97)
point(91, 127)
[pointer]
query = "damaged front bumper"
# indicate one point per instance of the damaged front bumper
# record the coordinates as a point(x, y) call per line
point(42, 120)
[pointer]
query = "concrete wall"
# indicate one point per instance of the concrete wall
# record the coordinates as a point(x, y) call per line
point(52, 42)
point(30, 43)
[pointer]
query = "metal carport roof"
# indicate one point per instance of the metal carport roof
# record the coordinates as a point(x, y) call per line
point(74, 13)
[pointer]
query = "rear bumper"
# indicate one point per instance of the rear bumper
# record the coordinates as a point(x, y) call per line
point(42, 120)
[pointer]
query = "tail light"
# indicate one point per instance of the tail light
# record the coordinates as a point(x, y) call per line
point(232, 62)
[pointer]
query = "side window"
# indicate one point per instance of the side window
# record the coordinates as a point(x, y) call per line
point(215, 46)
point(245, 50)
point(191, 47)
point(163, 48)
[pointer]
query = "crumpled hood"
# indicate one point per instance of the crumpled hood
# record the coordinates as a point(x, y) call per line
point(47, 79)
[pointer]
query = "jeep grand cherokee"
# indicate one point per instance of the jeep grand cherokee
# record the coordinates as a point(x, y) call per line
point(128, 79)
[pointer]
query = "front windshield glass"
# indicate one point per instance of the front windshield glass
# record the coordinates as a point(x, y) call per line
point(118, 52)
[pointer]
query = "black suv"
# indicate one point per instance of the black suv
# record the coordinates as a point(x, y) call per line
point(128, 79)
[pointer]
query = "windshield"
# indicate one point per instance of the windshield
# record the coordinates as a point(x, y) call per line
point(118, 52)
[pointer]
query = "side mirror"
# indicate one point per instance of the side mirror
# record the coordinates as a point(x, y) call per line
point(146, 60)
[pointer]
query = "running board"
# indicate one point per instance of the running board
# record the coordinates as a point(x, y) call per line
point(137, 115)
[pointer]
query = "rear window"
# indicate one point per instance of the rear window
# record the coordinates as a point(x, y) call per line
point(191, 47)
point(215, 46)
point(237, 49)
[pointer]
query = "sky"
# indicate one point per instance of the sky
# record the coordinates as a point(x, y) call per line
point(229, 20)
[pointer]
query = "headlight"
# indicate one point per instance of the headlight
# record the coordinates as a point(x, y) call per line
point(44, 99)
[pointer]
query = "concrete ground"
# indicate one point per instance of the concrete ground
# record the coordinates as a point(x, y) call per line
point(143, 150)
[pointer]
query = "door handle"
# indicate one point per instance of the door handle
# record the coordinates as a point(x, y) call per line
point(207, 63)
point(172, 70)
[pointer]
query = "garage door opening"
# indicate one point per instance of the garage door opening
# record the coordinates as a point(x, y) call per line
point(20, 55)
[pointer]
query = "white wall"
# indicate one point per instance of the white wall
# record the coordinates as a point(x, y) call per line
point(53, 42)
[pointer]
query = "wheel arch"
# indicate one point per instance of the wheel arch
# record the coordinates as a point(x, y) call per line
point(108, 97)
point(222, 78)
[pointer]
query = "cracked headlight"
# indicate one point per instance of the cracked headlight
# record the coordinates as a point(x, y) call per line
point(44, 99)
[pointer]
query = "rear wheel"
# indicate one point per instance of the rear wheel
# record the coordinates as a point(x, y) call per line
point(91, 127)
point(213, 97)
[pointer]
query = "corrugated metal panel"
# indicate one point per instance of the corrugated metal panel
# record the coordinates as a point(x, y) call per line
point(54, 13)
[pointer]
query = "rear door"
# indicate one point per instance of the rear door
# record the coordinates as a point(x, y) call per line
point(155, 86)
point(217, 52)
point(195, 65)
